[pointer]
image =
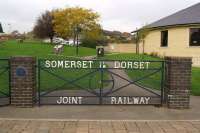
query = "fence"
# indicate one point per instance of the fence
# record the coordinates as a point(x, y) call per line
point(4, 82)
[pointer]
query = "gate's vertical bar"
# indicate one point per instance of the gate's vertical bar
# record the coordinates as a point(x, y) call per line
point(9, 79)
point(38, 81)
point(101, 87)
point(162, 82)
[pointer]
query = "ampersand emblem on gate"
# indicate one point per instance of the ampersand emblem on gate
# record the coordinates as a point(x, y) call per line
point(103, 86)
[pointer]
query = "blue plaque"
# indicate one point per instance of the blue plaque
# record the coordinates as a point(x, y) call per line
point(21, 72)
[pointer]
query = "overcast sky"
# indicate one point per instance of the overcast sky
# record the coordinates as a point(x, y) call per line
point(122, 15)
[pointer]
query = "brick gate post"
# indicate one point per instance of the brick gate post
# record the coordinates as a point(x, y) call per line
point(23, 81)
point(178, 82)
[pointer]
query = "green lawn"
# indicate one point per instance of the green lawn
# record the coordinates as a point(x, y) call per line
point(153, 81)
point(40, 50)
point(196, 81)
point(129, 57)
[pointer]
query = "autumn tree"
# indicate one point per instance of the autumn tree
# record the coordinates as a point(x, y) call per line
point(44, 26)
point(70, 22)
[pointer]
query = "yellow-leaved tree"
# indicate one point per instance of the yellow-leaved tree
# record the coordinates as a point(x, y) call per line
point(69, 22)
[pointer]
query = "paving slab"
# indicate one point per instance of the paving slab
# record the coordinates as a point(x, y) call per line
point(58, 126)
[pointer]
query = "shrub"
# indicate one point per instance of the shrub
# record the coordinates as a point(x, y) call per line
point(154, 54)
point(89, 43)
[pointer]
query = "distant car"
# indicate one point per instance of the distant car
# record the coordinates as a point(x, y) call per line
point(57, 40)
point(46, 40)
point(71, 43)
point(64, 42)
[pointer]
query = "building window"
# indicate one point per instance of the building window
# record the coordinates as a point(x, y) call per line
point(195, 37)
point(164, 38)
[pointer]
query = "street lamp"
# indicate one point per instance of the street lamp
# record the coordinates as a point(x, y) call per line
point(77, 31)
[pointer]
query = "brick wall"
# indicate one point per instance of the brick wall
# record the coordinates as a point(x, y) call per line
point(23, 81)
point(178, 82)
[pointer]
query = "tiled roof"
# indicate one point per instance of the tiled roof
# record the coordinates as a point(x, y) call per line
point(190, 15)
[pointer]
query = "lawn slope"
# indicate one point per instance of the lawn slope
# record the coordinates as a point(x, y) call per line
point(39, 50)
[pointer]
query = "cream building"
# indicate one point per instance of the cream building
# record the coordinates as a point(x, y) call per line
point(175, 35)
